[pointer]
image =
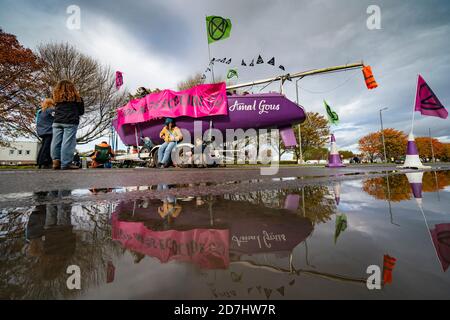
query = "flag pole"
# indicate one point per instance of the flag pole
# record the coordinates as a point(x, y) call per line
point(431, 144)
point(414, 108)
point(211, 65)
point(429, 233)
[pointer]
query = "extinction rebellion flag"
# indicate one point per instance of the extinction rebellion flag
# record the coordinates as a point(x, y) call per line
point(427, 103)
point(217, 28)
point(332, 116)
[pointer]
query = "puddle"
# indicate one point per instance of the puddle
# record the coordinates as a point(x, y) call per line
point(313, 242)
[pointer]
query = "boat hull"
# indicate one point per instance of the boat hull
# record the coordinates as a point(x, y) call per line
point(259, 111)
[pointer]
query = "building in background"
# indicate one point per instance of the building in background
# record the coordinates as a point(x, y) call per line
point(19, 153)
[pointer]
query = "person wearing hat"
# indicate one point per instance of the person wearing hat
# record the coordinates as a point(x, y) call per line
point(171, 135)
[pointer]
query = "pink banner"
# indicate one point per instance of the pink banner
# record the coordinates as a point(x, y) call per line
point(427, 103)
point(207, 248)
point(200, 101)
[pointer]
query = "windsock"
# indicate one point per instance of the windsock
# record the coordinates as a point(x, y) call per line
point(369, 78)
point(388, 268)
point(334, 159)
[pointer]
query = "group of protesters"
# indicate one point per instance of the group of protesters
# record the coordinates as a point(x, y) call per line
point(57, 125)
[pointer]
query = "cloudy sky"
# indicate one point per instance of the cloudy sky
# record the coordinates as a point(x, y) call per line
point(157, 43)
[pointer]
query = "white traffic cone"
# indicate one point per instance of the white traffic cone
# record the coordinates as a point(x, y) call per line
point(415, 182)
point(412, 160)
point(334, 159)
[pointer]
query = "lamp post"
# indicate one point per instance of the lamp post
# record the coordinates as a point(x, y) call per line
point(382, 133)
point(300, 159)
point(432, 149)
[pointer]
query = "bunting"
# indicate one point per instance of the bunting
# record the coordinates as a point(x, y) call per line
point(226, 60)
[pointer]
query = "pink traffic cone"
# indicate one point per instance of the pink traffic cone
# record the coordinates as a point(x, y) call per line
point(334, 159)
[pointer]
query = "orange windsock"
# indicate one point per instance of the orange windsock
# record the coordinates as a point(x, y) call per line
point(368, 77)
point(388, 267)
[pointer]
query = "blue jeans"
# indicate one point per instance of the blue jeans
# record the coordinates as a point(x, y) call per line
point(64, 143)
point(165, 151)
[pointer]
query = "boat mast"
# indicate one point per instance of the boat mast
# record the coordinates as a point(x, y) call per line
point(302, 74)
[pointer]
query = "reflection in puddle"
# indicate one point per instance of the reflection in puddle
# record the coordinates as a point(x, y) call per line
point(312, 242)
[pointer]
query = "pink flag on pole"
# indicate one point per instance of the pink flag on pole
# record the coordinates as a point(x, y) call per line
point(119, 79)
point(427, 103)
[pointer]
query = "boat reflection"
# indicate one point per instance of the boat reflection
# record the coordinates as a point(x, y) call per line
point(208, 232)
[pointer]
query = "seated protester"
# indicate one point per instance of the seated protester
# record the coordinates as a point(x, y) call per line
point(171, 135)
point(102, 155)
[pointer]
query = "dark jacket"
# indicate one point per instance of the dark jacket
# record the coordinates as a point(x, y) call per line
point(69, 112)
point(45, 121)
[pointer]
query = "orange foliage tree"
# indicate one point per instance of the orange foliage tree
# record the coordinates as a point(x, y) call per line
point(20, 88)
point(397, 190)
point(435, 181)
point(446, 156)
point(424, 147)
point(372, 147)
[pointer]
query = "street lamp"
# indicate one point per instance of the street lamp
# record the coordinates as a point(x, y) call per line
point(382, 133)
point(300, 159)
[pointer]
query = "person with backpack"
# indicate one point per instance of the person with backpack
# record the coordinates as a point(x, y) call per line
point(102, 155)
point(69, 106)
point(44, 122)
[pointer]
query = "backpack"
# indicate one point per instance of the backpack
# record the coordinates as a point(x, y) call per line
point(102, 154)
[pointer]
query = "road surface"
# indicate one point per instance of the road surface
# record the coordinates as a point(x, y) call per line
point(18, 186)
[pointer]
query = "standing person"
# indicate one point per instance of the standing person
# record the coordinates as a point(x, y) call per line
point(171, 136)
point(44, 130)
point(68, 108)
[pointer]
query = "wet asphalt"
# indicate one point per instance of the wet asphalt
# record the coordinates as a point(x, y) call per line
point(22, 181)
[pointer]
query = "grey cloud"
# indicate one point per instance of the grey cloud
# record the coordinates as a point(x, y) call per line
point(301, 35)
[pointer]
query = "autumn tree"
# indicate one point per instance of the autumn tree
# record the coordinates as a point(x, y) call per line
point(435, 181)
point(396, 142)
point(424, 148)
point(20, 88)
point(316, 154)
point(371, 145)
point(346, 154)
point(315, 135)
point(446, 153)
point(394, 188)
point(95, 82)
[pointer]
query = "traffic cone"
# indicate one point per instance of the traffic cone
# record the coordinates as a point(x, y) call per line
point(334, 159)
point(415, 182)
point(412, 160)
point(337, 192)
